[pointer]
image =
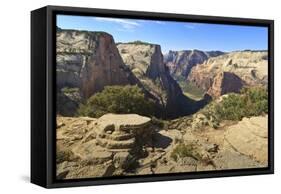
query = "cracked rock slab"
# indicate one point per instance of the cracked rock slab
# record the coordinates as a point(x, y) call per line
point(249, 137)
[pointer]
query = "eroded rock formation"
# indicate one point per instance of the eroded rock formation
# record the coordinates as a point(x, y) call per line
point(112, 144)
point(89, 61)
point(249, 66)
point(180, 63)
point(146, 62)
point(225, 82)
point(122, 131)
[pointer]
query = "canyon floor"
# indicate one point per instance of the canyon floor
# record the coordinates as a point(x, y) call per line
point(118, 145)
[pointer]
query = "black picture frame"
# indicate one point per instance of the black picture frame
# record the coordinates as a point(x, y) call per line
point(43, 95)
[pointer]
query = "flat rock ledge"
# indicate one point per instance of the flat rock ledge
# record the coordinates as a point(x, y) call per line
point(249, 137)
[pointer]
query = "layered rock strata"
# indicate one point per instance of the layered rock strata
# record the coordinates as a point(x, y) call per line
point(249, 68)
point(89, 61)
point(180, 63)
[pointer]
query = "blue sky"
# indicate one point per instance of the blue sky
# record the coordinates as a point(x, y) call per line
point(173, 35)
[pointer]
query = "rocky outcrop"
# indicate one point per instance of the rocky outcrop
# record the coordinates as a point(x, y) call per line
point(89, 61)
point(68, 101)
point(249, 66)
point(233, 145)
point(250, 137)
point(122, 131)
point(110, 145)
point(243, 145)
point(180, 63)
point(208, 148)
point(144, 59)
point(146, 62)
point(132, 145)
point(225, 82)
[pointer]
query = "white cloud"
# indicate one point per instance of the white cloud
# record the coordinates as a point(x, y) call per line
point(125, 23)
point(160, 22)
point(189, 26)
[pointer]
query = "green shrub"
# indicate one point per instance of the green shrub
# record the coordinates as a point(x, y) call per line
point(69, 90)
point(251, 102)
point(185, 150)
point(231, 108)
point(138, 42)
point(117, 99)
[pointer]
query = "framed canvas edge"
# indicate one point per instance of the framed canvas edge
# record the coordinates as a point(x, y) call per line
point(51, 96)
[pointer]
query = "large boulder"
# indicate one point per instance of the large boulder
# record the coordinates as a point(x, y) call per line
point(123, 131)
